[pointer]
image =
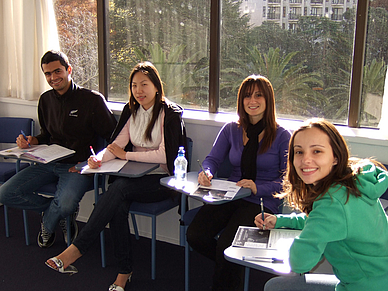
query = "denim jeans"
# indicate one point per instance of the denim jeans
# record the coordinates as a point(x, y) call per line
point(19, 191)
point(306, 282)
point(113, 208)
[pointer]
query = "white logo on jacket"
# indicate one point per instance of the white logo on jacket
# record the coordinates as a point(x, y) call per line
point(74, 113)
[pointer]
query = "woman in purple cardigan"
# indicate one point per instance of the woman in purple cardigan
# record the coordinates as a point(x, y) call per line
point(257, 149)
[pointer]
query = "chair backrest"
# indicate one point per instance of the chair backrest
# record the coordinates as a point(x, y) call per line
point(189, 150)
point(10, 128)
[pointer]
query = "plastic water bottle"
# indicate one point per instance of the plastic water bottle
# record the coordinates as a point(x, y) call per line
point(180, 169)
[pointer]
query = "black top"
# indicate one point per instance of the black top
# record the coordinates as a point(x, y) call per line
point(75, 120)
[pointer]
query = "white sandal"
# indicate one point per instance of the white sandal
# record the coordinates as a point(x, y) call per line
point(59, 264)
point(115, 287)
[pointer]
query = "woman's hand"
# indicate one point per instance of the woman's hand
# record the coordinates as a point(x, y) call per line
point(268, 223)
point(245, 183)
point(117, 151)
point(93, 163)
point(203, 180)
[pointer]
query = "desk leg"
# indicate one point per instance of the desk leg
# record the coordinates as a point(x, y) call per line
point(246, 280)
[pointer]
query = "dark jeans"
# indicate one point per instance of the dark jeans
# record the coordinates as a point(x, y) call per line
point(224, 220)
point(113, 208)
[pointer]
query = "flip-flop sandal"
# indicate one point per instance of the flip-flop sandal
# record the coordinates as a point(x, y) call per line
point(59, 264)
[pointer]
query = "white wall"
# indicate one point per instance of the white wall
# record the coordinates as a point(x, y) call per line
point(203, 129)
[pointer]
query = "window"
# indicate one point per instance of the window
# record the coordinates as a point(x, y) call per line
point(308, 59)
point(77, 29)
point(173, 35)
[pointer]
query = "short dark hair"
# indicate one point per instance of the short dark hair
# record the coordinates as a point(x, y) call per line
point(52, 56)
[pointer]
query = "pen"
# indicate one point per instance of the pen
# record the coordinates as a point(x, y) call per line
point(263, 259)
point(92, 150)
point(24, 135)
point(203, 170)
point(262, 211)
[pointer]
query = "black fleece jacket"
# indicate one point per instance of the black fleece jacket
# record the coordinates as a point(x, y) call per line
point(75, 120)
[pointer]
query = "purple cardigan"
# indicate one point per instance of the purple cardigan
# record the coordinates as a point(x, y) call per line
point(270, 165)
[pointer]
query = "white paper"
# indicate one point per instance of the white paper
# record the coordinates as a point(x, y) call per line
point(112, 166)
point(253, 237)
point(219, 190)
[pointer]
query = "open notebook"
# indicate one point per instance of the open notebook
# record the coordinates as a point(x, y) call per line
point(39, 153)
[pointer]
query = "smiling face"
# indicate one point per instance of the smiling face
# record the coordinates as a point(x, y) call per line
point(313, 155)
point(143, 90)
point(57, 76)
point(255, 105)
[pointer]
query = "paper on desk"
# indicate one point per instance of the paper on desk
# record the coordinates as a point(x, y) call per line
point(253, 237)
point(112, 166)
point(219, 190)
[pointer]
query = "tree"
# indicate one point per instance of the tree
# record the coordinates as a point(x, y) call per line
point(77, 30)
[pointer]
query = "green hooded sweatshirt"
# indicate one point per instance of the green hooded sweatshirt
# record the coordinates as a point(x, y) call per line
point(353, 235)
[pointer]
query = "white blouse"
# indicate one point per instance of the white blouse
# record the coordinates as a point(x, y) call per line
point(143, 150)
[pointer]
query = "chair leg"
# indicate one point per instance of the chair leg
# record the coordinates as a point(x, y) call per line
point(246, 279)
point(153, 249)
point(102, 242)
point(135, 226)
point(68, 225)
point(187, 264)
point(6, 221)
point(26, 229)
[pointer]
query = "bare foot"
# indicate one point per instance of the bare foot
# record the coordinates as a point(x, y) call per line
point(68, 256)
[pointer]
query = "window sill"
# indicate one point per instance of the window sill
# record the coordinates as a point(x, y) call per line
point(366, 136)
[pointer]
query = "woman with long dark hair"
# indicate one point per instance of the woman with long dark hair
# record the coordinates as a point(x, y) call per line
point(257, 149)
point(150, 129)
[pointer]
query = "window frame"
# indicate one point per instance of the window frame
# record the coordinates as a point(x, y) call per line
point(215, 51)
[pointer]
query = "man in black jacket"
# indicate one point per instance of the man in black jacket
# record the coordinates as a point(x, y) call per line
point(70, 116)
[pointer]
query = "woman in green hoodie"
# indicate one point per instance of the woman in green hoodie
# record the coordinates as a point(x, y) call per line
point(342, 218)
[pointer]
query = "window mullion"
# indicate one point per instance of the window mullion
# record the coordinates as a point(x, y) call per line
point(214, 62)
point(102, 32)
point(358, 63)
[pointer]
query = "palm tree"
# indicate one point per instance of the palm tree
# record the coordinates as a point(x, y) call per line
point(294, 88)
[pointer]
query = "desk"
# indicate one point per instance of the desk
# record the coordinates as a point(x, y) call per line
point(191, 185)
point(235, 254)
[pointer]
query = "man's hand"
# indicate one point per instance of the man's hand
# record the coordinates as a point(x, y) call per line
point(24, 143)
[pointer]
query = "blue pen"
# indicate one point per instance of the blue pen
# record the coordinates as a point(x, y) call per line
point(25, 137)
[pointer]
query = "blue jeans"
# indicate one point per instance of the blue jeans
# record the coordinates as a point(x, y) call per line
point(306, 282)
point(113, 208)
point(19, 191)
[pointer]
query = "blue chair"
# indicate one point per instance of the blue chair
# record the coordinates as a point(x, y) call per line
point(10, 128)
point(154, 209)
